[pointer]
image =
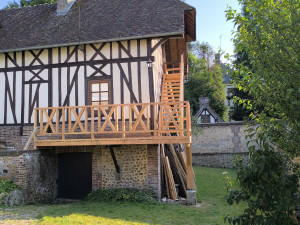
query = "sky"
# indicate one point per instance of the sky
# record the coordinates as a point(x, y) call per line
point(210, 22)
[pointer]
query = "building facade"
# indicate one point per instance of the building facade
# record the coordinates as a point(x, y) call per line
point(90, 89)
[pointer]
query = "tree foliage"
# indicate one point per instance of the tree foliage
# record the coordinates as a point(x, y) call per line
point(204, 80)
point(268, 34)
point(29, 3)
point(239, 108)
point(267, 186)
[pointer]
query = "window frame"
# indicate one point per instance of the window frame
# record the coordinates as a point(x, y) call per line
point(99, 81)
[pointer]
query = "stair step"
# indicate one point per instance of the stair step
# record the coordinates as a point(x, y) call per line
point(171, 84)
point(170, 92)
point(172, 75)
point(172, 88)
point(172, 81)
point(172, 95)
point(172, 69)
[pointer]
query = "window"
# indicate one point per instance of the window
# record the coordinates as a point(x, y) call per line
point(205, 118)
point(99, 92)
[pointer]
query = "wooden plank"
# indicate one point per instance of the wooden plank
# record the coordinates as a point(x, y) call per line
point(111, 141)
point(182, 158)
point(166, 179)
point(179, 168)
point(30, 139)
point(172, 187)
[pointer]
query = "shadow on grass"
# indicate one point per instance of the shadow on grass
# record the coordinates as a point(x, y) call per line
point(120, 213)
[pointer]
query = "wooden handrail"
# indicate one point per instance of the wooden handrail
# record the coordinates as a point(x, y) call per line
point(118, 120)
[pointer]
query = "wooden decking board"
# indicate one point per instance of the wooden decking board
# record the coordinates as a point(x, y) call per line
point(112, 141)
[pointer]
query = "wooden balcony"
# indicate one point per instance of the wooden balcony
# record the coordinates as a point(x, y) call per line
point(144, 123)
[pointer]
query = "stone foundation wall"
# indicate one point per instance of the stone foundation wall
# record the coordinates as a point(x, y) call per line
point(133, 163)
point(154, 176)
point(216, 145)
point(139, 166)
point(34, 171)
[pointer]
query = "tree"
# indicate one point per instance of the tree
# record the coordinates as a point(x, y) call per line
point(204, 80)
point(204, 51)
point(240, 112)
point(29, 3)
point(268, 33)
point(270, 37)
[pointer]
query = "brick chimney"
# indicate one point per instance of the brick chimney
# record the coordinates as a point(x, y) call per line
point(63, 6)
point(203, 101)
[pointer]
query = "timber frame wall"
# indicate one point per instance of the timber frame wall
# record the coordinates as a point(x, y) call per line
point(57, 77)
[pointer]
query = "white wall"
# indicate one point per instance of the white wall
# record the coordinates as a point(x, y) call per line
point(60, 80)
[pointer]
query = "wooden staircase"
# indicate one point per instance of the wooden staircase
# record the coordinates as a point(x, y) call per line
point(172, 86)
point(173, 92)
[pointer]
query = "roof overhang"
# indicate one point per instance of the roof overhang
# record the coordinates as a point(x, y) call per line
point(171, 35)
point(190, 24)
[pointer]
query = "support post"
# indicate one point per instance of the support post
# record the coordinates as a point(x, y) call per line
point(191, 188)
point(189, 168)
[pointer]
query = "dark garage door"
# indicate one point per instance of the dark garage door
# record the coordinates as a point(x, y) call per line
point(74, 179)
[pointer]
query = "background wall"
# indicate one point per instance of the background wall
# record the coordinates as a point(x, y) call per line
point(216, 145)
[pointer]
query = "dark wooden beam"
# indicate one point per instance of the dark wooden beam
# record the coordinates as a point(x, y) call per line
point(114, 158)
point(75, 64)
point(162, 41)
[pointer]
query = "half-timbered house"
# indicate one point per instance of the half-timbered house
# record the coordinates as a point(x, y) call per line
point(92, 88)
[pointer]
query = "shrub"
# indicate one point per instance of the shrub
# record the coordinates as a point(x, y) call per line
point(121, 195)
point(268, 187)
point(7, 186)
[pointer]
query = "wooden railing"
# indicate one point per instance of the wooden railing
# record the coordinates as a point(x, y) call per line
point(113, 124)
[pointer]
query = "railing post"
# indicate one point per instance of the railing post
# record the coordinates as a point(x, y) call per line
point(117, 118)
point(181, 64)
point(57, 120)
point(155, 120)
point(63, 118)
point(130, 118)
point(41, 121)
point(69, 119)
point(35, 124)
point(123, 121)
point(182, 106)
point(92, 122)
point(189, 122)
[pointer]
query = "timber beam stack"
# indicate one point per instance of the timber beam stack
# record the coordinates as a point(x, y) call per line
point(174, 171)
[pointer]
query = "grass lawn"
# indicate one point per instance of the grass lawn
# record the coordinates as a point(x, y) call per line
point(212, 210)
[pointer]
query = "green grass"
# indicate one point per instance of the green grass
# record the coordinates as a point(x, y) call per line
point(211, 196)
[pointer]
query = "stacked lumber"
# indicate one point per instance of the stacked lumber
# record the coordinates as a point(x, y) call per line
point(174, 170)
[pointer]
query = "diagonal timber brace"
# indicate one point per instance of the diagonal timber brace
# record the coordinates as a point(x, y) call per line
point(113, 156)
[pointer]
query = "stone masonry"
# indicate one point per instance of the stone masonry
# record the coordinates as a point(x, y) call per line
point(216, 145)
point(36, 170)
